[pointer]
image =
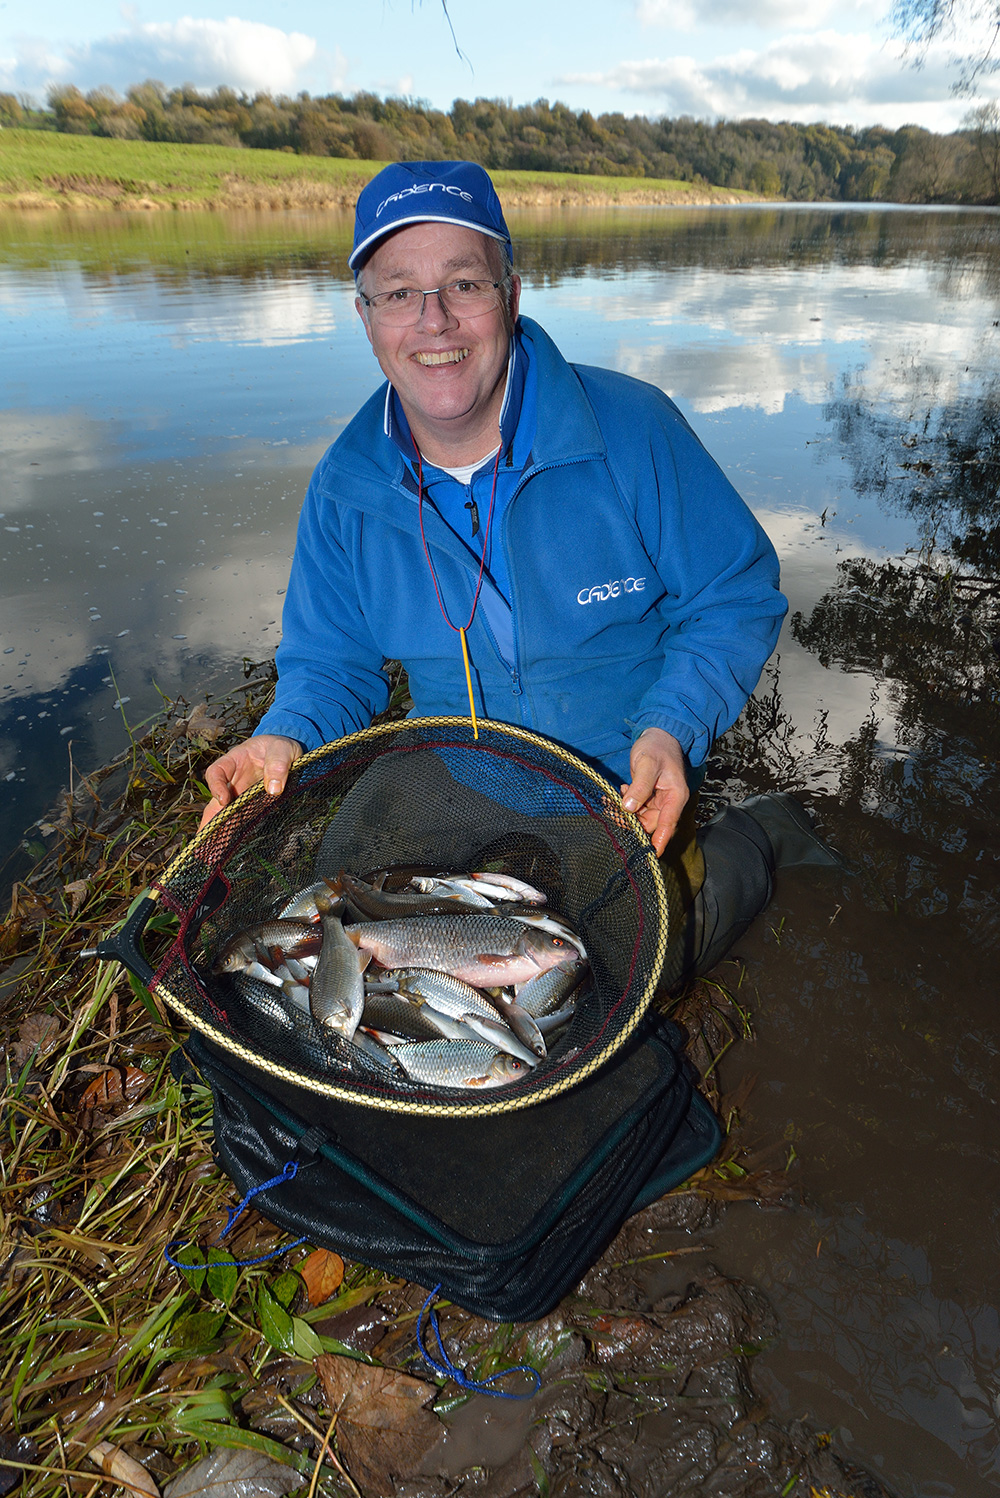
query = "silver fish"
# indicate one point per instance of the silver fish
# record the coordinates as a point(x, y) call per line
point(481, 949)
point(544, 994)
point(459, 1063)
point(337, 990)
point(517, 887)
point(544, 921)
point(377, 1052)
point(251, 945)
point(551, 1024)
point(522, 1024)
point(302, 905)
point(465, 1004)
point(464, 895)
point(263, 996)
point(382, 904)
point(411, 1021)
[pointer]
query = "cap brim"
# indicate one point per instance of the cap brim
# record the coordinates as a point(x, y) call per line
point(417, 218)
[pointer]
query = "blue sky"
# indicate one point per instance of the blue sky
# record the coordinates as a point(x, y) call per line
point(830, 60)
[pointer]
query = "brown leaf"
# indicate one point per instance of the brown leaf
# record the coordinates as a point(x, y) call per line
point(323, 1272)
point(119, 1084)
point(201, 725)
point(383, 1428)
point(36, 1031)
point(226, 1471)
point(124, 1470)
point(77, 892)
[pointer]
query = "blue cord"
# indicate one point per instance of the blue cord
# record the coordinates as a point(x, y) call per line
point(289, 1172)
point(448, 1369)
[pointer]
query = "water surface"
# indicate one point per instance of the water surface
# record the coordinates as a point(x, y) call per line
point(169, 383)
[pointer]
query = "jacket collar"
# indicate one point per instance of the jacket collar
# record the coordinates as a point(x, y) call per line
point(566, 430)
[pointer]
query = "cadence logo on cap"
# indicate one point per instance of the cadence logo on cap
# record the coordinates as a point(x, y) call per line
point(601, 592)
point(407, 192)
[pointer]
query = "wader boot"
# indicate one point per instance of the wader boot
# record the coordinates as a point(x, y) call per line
point(742, 847)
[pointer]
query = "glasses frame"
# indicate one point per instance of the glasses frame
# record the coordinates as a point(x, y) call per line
point(373, 302)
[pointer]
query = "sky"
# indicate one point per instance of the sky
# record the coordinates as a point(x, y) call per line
point(804, 60)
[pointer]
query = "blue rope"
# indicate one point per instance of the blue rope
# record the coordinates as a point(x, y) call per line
point(289, 1172)
point(448, 1369)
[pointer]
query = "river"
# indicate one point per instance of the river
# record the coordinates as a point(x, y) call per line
point(169, 382)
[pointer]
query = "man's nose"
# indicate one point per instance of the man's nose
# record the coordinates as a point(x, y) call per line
point(434, 313)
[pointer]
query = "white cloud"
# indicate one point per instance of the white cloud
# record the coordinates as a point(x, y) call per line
point(243, 54)
point(844, 79)
point(766, 15)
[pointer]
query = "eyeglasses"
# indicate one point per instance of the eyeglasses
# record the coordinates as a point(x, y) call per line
point(405, 305)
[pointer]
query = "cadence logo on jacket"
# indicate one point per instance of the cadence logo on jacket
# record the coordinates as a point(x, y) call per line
point(601, 592)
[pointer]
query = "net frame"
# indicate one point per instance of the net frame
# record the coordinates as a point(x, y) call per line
point(197, 885)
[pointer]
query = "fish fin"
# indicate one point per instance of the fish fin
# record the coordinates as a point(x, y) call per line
point(351, 933)
point(363, 959)
point(492, 959)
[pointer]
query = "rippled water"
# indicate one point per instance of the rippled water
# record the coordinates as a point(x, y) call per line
point(168, 384)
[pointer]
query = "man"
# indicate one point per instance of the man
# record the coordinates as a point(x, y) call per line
point(615, 592)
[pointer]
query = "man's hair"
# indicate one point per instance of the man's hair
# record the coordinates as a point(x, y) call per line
point(501, 268)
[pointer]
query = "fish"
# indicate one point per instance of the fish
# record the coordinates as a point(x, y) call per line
point(458, 1063)
point(517, 887)
point(551, 1024)
point(382, 904)
point(481, 949)
point(252, 945)
point(522, 1024)
point(411, 1020)
point(465, 1004)
point(302, 905)
point(264, 997)
point(337, 990)
point(542, 995)
point(554, 924)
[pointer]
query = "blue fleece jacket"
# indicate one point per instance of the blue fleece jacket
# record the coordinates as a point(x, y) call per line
point(642, 590)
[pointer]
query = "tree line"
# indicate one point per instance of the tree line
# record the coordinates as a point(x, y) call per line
point(793, 161)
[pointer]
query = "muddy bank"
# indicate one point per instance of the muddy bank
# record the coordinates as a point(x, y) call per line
point(89, 194)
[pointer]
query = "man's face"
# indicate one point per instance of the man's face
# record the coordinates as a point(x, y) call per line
point(448, 372)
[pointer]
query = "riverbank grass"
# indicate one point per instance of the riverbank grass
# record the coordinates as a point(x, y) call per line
point(42, 169)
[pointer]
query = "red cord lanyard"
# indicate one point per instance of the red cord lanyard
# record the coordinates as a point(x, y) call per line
point(458, 628)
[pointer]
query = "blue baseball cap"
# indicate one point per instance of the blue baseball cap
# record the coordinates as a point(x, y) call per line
point(421, 192)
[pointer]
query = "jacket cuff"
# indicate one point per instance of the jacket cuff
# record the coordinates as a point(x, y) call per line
point(290, 726)
point(682, 732)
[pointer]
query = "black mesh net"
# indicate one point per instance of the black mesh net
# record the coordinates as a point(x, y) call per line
point(422, 794)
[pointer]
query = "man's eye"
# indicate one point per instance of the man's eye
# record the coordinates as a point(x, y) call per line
point(401, 294)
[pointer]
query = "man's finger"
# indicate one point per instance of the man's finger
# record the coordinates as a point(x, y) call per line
point(643, 785)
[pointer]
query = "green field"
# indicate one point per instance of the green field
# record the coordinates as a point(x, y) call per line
point(41, 169)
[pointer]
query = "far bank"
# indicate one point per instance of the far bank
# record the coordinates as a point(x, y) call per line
point(42, 169)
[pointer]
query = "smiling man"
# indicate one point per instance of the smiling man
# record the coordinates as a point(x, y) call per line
point(616, 592)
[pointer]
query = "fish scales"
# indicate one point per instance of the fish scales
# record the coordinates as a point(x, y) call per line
point(481, 949)
point(459, 1063)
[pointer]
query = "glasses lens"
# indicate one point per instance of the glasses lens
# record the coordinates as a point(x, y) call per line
point(469, 297)
point(399, 308)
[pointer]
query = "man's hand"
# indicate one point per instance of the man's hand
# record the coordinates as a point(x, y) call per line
point(267, 757)
point(659, 789)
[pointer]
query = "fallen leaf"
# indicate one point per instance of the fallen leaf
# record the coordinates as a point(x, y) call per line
point(77, 890)
point(200, 724)
point(123, 1470)
point(234, 1473)
point(323, 1272)
point(36, 1032)
point(383, 1428)
point(119, 1084)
